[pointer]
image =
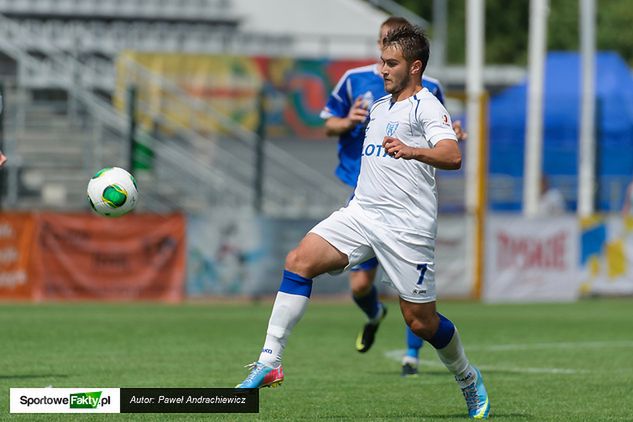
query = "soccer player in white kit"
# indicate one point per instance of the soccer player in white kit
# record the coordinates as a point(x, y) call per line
point(393, 217)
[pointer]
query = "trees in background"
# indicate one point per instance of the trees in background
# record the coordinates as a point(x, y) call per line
point(507, 28)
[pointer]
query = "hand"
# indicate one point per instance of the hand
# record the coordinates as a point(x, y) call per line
point(357, 114)
point(397, 149)
point(3, 159)
point(459, 131)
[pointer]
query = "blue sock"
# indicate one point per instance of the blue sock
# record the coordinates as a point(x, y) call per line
point(444, 333)
point(369, 303)
point(414, 344)
point(295, 284)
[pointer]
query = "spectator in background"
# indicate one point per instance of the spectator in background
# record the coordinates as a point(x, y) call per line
point(552, 201)
point(627, 207)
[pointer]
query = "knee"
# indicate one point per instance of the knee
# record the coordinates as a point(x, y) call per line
point(361, 283)
point(424, 327)
point(297, 263)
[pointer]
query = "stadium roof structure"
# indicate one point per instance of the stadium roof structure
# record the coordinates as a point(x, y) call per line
point(561, 128)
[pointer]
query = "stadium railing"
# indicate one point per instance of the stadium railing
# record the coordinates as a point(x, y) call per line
point(179, 168)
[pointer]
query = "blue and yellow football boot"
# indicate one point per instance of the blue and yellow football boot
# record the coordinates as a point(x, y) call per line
point(477, 398)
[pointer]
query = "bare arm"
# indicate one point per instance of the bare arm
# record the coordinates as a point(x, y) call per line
point(335, 126)
point(444, 155)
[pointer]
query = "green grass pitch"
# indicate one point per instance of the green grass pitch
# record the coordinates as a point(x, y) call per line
point(546, 362)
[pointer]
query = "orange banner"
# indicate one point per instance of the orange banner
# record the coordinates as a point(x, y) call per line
point(127, 258)
point(17, 238)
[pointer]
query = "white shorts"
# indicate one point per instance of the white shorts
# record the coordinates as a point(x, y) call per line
point(407, 259)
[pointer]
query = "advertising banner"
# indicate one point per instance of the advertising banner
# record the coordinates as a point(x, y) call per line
point(237, 253)
point(17, 239)
point(138, 256)
point(531, 260)
point(224, 253)
point(451, 275)
point(240, 254)
point(607, 255)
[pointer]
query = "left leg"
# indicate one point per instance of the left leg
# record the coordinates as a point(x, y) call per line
point(427, 323)
point(409, 263)
point(439, 331)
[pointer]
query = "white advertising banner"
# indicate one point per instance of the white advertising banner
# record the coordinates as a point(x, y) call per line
point(451, 275)
point(531, 260)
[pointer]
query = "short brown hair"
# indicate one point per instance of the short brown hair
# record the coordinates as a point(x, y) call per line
point(412, 42)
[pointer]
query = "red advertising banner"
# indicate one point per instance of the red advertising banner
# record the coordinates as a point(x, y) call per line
point(17, 238)
point(138, 256)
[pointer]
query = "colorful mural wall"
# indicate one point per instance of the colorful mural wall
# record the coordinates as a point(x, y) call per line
point(295, 90)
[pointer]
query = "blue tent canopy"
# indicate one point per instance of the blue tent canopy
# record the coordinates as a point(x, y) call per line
point(614, 129)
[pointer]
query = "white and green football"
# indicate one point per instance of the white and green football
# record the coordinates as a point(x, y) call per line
point(112, 192)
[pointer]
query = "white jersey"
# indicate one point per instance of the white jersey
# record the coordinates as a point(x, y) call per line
point(399, 193)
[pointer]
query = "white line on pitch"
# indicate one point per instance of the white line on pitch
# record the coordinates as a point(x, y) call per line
point(552, 345)
point(397, 356)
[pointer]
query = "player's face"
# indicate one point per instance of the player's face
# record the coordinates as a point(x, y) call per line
point(394, 70)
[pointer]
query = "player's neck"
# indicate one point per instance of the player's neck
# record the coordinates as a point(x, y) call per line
point(407, 92)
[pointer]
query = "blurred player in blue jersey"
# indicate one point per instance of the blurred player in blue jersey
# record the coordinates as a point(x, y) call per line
point(392, 217)
point(345, 116)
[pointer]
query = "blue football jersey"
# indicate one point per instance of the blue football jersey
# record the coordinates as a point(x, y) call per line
point(367, 83)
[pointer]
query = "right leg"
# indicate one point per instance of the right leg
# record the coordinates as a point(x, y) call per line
point(313, 256)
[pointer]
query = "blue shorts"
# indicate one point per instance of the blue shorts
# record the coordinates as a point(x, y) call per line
point(370, 264)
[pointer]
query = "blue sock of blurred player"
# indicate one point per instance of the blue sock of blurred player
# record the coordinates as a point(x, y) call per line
point(411, 358)
point(414, 344)
point(369, 304)
point(290, 304)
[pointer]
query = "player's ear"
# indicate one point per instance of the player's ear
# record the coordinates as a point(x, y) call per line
point(416, 67)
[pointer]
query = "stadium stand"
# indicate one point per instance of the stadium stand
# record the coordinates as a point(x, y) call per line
point(59, 75)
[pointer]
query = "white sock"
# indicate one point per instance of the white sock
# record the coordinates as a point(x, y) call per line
point(287, 311)
point(410, 360)
point(455, 360)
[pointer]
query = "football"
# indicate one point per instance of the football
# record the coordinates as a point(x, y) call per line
point(112, 192)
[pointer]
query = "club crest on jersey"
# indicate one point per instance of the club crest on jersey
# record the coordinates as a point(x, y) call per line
point(391, 128)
